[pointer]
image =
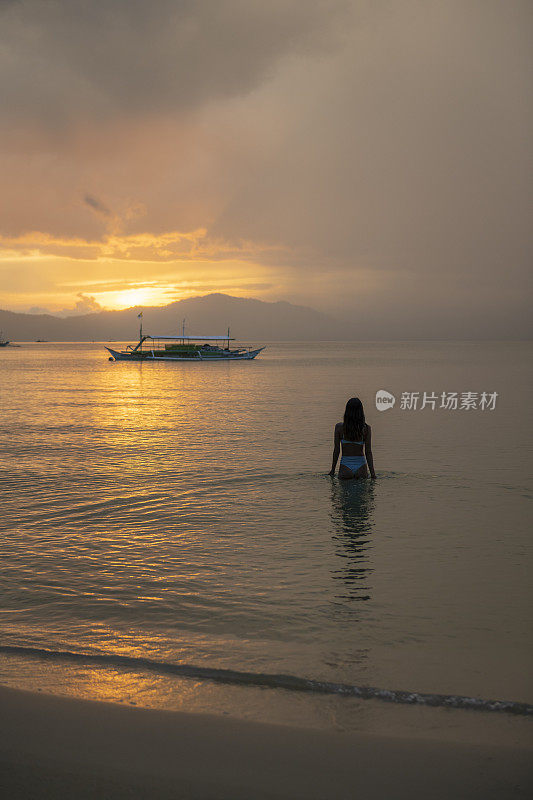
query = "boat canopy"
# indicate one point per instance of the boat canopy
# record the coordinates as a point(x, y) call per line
point(191, 338)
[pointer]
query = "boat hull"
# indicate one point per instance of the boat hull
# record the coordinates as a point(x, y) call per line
point(147, 356)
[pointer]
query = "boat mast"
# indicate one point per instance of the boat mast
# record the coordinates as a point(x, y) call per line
point(140, 316)
point(228, 337)
point(183, 331)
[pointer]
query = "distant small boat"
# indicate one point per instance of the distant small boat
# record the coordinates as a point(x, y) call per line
point(3, 342)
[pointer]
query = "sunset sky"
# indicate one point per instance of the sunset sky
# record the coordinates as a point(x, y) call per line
point(368, 158)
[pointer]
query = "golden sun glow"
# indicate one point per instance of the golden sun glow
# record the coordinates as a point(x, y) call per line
point(160, 270)
point(143, 296)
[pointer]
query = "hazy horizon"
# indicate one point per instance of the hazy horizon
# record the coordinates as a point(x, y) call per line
point(369, 160)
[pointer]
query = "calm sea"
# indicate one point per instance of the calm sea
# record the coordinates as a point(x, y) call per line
point(170, 536)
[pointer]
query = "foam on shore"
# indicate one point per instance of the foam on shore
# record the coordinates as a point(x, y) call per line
point(277, 681)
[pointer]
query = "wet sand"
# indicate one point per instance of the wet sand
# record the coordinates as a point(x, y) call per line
point(54, 747)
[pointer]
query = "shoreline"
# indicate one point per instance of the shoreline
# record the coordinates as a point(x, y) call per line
point(55, 747)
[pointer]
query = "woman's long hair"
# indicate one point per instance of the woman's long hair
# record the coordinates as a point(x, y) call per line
point(354, 420)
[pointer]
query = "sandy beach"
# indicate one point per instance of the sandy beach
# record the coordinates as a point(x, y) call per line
point(53, 747)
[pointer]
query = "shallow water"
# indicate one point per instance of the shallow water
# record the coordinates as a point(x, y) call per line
point(182, 513)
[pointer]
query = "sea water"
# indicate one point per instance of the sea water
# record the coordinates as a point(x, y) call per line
point(170, 536)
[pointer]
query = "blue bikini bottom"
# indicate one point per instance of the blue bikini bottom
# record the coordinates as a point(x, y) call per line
point(353, 462)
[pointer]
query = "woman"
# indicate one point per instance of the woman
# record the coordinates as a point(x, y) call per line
point(356, 438)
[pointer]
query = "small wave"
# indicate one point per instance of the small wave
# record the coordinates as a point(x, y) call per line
point(274, 681)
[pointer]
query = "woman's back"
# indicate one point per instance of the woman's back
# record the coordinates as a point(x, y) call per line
point(353, 435)
point(352, 447)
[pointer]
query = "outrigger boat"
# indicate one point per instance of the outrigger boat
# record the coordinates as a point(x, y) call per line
point(3, 342)
point(184, 348)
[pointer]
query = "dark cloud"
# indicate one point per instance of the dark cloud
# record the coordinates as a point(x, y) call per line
point(65, 58)
point(411, 146)
point(97, 206)
point(407, 156)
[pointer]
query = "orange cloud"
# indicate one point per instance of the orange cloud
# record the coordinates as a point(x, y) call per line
point(168, 246)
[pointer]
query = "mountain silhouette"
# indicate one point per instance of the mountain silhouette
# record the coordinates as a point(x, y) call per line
point(211, 314)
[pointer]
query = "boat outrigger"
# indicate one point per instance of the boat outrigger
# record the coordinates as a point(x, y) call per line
point(184, 348)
